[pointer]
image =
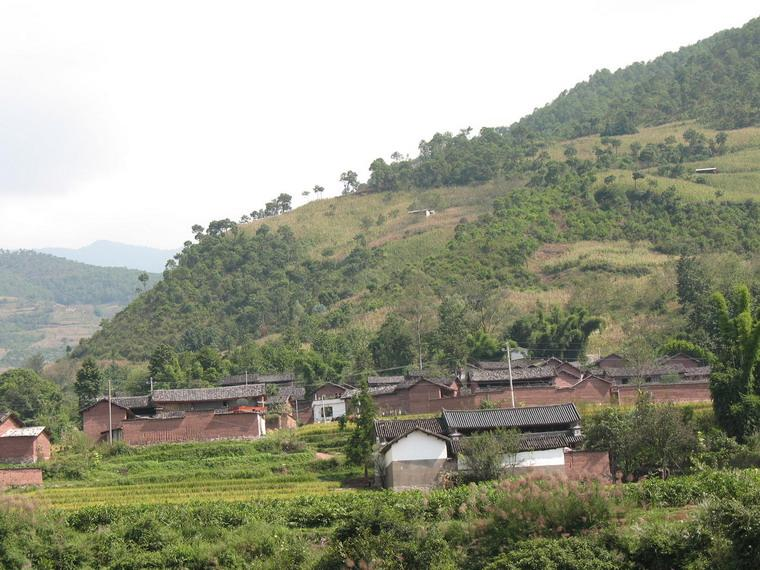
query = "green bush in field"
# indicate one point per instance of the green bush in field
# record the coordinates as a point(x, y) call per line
point(559, 554)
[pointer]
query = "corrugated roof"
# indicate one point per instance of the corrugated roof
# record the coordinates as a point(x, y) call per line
point(562, 414)
point(33, 431)
point(386, 430)
point(209, 394)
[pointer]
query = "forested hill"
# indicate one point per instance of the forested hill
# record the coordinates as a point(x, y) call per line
point(716, 81)
point(37, 276)
point(525, 226)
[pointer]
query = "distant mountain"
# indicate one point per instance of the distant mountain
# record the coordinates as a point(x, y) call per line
point(48, 303)
point(105, 253)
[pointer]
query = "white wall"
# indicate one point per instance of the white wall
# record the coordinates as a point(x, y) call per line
point(416, 446)
point(338, 408)
point(543, 458)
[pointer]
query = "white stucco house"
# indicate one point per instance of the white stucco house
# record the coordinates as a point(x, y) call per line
point(328, 409)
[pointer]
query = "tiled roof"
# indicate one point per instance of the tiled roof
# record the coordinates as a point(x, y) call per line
point(536, 441)
point(242, 379)
point(173, 415)
point(633, 372)
point(562, 414)
point(382, 380)
point(698, 371)
point(209, 394)
point(287, 392)
point(131, 401)
point(5, 416)
point(33, 431)
point(388, 445)
point(518, 374)
point(386, 430)
point(373, 390)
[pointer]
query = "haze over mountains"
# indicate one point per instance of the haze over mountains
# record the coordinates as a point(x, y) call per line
point(104, 253)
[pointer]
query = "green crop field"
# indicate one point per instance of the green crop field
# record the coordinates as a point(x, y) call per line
point(280, 465)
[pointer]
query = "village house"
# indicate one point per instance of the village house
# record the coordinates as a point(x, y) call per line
point(21, 444)
point(192, 414)
point(416, 453)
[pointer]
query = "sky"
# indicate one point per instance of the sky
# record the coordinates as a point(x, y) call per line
point(132, 121)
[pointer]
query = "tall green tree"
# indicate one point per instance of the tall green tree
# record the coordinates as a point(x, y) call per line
point(30, 395)
point(452, 331)
point(393, 344)
point(734, 386)
point(362, 441)
point(89, 381)
point(558, 332)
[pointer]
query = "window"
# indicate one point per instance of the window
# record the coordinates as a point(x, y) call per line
point(327, 412)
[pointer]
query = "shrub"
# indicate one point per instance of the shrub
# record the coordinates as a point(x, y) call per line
point(559, 554)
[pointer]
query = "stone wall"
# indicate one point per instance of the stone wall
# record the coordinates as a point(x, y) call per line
point(20, 477)
point(194, 426)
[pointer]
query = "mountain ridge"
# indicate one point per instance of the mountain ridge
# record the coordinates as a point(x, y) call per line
point(106, 253)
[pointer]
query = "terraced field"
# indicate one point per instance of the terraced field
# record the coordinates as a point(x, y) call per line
point(275, 467)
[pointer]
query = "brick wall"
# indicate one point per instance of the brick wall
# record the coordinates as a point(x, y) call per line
point(95, 420)
point(17, 449)
point(675, 393)
point(588, 465)
point(328, 392)
point(42, 447)
point(20, 477)
point(9, 423)
point(195, 426)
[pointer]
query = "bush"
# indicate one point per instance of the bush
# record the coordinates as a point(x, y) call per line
point(559, 554)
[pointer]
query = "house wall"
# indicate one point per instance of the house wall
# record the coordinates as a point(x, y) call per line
point(283, 421)
point(588, 465)
point(207, 406)
point(195, 426)
point(95, 420)
point(418, 399)
point(420, 474)
point(18, 450)
point(42, 447)
point(417, 446)
point(9, 423)
point(338, 409)
point(549, 458)
point(20, 477)
point(328, 392)
point(674, 393)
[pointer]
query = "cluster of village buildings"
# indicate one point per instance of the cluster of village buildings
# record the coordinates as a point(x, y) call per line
point(537, 397)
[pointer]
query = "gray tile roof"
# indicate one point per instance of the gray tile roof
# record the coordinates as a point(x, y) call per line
point(287, 392)
point(536, 441)
point(131, 401)
point(242, 379)
point(33, 431)
point(518, 374)
point(386, 430)
point(5, 416)
point(382, 380)
point(562, 414)
point(209, 394)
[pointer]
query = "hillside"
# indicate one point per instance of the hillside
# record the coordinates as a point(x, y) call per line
point(715, 81)
point(521, 218)
point(104, 253)
point(48, 303)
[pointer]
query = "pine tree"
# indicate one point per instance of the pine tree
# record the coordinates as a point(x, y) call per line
point(89, 379)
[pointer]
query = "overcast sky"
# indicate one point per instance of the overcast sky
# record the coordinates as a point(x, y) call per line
point(132, 121)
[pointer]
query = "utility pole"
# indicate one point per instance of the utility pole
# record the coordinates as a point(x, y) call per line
point(509, 366)
point(110, 422)
point(151, 384)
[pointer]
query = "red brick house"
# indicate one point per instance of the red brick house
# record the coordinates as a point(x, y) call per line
point(19, 444)
point(192, 414)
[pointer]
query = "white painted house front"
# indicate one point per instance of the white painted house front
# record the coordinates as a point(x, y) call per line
point(525, 459)
point(327, 410)
point(417, 445)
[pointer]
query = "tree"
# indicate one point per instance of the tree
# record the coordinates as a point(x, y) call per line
point(35, 362)
point(392, 345)
point(362, 440)
point(88, 383)
point(451, 334)
point(29, 395)
point(636, 177)
point(164, 366)
point(318, 189)
point(484, 346)
point(197, 231)
point(143, 278)
point(350, 180)
point(487, 453)
point(736, 397)
point(558, 332)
